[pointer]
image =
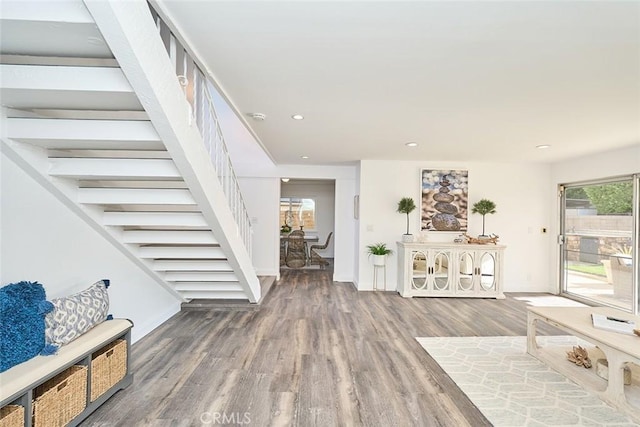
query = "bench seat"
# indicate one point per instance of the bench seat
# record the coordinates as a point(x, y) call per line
point(20, 378)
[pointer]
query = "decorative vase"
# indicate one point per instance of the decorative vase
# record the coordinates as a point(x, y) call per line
point(407, 238)
point(379, 260)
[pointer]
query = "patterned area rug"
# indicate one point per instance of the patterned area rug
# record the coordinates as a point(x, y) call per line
point(512, 388)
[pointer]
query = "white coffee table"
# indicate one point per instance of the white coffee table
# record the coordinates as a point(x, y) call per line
point(619, 349)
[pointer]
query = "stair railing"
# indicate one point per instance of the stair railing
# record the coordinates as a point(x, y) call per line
point(197, 91)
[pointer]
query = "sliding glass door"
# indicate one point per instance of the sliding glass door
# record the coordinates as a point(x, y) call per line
point(599, 229)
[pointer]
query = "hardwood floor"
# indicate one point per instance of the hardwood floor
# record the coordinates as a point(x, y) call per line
point(317, 353)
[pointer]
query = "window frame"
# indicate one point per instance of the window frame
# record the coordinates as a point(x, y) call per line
point(298, 199)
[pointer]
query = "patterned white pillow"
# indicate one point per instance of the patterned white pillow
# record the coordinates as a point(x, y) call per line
point(76, 314)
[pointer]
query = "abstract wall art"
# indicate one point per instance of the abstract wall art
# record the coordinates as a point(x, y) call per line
point(444, 199)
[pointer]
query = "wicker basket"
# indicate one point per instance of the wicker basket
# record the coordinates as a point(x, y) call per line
point(61, 399)
point(108, 366)
point(12, 416)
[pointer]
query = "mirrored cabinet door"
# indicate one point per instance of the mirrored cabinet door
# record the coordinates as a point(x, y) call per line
point(488, 271)
point(419, 270)
point(440, 269)
point(466, 270)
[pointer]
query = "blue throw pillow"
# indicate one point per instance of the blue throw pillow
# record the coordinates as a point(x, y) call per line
point(23, 307)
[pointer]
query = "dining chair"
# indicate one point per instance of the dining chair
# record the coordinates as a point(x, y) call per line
point(315, 257)
point(296, 250)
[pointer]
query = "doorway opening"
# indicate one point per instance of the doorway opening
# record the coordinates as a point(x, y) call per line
point(307, 224)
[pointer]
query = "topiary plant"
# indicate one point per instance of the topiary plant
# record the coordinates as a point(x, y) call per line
point(406, 205)
point(484, 207)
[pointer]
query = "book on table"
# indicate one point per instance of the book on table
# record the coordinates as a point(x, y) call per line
point(613, 323)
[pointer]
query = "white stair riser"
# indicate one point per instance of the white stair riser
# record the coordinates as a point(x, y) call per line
point(200, 277)
point(161, 252)
point(134, 196)
point(67, 12)
point(157, 219)
point(169, 237)
point(93, 88)
point(59, 78)
point(192, 265)
point(85, 134)
point(189, 295)
point(207, 286)
point(90, 169)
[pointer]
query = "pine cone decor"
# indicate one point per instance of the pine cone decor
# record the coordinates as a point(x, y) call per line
point(579, 356)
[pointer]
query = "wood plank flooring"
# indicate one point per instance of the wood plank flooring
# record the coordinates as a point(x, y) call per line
point(317, 353)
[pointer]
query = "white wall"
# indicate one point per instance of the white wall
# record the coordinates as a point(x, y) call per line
point(612, 163)
point(324, 193)
point(520, 192)
point(43, 241)
point(345, 242)
point(262, 198)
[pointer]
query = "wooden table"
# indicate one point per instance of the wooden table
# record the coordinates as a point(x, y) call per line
point(619, 349)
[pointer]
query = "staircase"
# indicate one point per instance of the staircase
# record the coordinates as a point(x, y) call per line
point(93, 111)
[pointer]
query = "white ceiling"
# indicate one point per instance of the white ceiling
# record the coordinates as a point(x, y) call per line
point(485, 81)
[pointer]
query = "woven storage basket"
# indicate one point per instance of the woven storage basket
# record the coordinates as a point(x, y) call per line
point(12, 416)
point(60, 399)
point(108, 366)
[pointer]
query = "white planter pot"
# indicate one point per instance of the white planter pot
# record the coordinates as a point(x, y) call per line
point(379, 260)
point(407, 238)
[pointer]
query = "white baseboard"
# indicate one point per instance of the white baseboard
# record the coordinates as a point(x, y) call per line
point(139, 331)
point(268, 272)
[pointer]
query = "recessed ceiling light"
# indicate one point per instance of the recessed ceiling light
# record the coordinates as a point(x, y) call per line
point(543, 146)
point(411, 144)
point(304, 157)
point(285, 179)
point(297, 117)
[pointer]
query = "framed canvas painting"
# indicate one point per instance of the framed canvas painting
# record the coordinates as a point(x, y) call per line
point(444, 198)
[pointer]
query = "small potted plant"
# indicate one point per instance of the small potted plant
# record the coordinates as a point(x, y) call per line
point(379, 252)
point(484, 207)
point(285, 229)
point(406, 205)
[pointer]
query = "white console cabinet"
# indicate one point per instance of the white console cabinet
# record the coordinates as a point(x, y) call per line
point(450, 270)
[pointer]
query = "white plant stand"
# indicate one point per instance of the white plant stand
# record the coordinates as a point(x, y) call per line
point(379, 266)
